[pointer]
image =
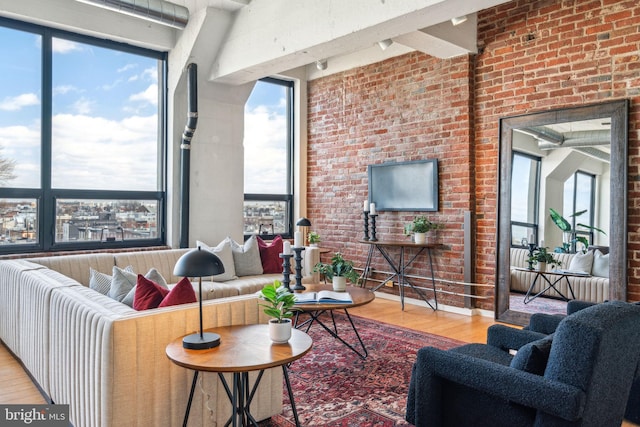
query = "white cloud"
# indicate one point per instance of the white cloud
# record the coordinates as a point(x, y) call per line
point(149, 95)
point(265, 151)
point(127, 68)
point(64, 89)
point(150, 73)
point(97, 153)
point(83, 106)
point(22, 144)
point(65, 46)
point(16, 103)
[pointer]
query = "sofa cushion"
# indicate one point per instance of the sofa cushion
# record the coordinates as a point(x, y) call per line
point(99, 282)
point(246, 258)
point(181, 293)
point(148, 294)
point(581, 262)
point(600, 264)
point(224, 252)
point(270, 255)
point(123, 284)
point(533, 357)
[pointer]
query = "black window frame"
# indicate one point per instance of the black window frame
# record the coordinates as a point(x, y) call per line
point(289, 196)
point(532, 226)
point(46, 196)
point(573, 220)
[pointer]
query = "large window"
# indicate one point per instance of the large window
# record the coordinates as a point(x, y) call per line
point(579, 198)
point(268, 153)
point(525, 184)
point(81, 141)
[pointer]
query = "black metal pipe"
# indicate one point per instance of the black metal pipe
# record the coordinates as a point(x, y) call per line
point(185, 151)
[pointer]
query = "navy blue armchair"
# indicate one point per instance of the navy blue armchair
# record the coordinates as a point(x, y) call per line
point(547, 324)
point(580, 375)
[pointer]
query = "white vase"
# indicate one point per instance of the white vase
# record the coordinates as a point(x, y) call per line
point(420, 238)
point(339, 283)
point(542, 266)
point(280, 332)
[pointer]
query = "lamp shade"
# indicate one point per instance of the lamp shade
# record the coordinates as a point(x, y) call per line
point(198, 263)
point(303, 222)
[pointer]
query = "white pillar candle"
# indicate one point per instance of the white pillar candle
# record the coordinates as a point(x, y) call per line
point(372, 208)
point(531, 239)
point(286, 247)
point(297, 239)
point(365, 207)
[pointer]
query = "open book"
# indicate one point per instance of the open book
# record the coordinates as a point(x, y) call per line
point(329, 297)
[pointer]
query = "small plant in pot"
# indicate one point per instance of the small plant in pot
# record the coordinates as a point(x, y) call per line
point(420, 226)
point(339, 271)
point(314, 238)
point(541, 257)
point(278, 304)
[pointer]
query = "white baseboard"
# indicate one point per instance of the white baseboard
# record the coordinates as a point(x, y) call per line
point(442, 307)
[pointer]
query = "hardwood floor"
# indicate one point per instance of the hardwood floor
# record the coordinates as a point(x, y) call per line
point(16, 386)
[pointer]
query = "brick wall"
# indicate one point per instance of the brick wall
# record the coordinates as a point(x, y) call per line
point(534, 55)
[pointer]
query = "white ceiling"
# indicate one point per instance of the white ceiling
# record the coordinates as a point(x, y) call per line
point(239, 41)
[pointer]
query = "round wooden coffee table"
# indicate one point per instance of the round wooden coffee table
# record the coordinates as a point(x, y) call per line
point(359, 296)
point(242, 349)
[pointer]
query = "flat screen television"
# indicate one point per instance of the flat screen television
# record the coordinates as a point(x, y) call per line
point(404, 186)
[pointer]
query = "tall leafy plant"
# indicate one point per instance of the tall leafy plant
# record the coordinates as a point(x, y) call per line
point(565, 227)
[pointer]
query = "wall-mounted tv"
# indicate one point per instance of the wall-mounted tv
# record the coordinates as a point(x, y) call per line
point(404, 186)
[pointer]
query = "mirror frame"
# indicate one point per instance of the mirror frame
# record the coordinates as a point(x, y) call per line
point(618, 112)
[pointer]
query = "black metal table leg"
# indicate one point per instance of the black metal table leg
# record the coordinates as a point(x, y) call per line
point(193, 389)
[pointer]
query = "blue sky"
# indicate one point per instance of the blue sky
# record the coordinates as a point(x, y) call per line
point(104, 110)
point(105, 113)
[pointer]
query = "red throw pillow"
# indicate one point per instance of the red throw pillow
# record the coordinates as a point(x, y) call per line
point(148, 294)
point(182, 293)
point(270, 255)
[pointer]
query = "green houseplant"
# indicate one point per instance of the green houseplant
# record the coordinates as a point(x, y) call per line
point(313, 237)
point(340, 269)
point(278, 304)
point(565, 227)
point(420, 226)
point(542, 257)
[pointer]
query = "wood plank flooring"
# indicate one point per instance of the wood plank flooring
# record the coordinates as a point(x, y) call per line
point(16, 386)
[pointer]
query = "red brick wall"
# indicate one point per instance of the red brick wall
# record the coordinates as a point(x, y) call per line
point(534, 55)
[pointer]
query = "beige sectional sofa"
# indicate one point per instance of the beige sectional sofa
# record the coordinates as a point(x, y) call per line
point(107, 360)
point(594, 287)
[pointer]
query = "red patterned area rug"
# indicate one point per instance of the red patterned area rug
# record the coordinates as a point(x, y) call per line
point(538, 305)
point(333, 386)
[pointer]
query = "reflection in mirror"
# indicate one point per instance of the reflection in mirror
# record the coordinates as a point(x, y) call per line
point(562, 185)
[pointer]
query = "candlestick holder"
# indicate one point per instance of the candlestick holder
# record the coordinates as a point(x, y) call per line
point(298, 257)
point(373, 228)
point(286, 269)
point(366, 225)
point(532, 247)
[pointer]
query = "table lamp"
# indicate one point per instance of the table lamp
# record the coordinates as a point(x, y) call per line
point(198, 263)
point(304, 224)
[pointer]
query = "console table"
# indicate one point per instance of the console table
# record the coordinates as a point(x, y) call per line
point(401, 265)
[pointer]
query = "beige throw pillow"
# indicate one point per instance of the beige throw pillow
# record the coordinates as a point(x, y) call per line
point(600, 264)
point(581, 263)
point(224, 252)
point(246, 258)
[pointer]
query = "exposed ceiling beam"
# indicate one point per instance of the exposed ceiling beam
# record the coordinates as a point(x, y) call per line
point(271, 36)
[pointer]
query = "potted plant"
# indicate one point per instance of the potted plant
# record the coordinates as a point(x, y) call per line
point(278, 304)
point(339, 270)
point(541, 257)
point(420, 227)
point(314, 238)
point(570, 237)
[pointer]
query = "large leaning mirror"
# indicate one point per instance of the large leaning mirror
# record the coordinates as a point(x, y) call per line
point(570, 160)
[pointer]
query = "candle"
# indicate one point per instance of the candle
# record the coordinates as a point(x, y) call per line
point(365, 207)
point(372, 207)
point(542, 243)
point(531, 239)
point(286, 247)
point(297, 239)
